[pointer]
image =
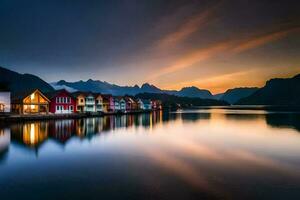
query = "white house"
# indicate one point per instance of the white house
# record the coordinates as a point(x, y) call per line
point(117, 106)
point(144, 104)
point(122, 105)
point(5, 102)
point(90, 103)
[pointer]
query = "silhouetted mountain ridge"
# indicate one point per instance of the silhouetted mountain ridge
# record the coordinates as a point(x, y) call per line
point(235, 94)
point(20, 83)
point(105, 87)
point(277, 91)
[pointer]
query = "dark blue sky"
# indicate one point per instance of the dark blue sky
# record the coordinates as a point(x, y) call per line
point(171, 43)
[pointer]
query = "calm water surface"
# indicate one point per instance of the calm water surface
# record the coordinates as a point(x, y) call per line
point(191, 154)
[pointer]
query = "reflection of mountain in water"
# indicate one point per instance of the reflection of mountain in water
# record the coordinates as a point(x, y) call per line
point(284, 120)
point(4, 144)
point(195, 116)
point(235, 117)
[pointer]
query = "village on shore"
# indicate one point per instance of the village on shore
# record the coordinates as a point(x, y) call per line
point(63, 103)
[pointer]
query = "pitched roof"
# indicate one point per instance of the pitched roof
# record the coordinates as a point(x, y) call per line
point(19, 96)
point(55, 93)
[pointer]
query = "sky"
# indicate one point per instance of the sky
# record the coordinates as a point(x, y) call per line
point(209, 44)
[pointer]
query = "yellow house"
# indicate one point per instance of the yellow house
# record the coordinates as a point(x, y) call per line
point(80, 101)
point(30, 103)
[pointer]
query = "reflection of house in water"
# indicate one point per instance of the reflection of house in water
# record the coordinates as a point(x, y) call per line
point(145, 120)
point(4, 143)
point(89, 126)
point(30, 134)
point(62, 130)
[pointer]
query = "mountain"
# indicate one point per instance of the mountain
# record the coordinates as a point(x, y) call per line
point(107, 88)
point(19, 83)
point(172, 101)
point(278, 91)
point(61, 87)
point(235, 94)
point(218, 96)
point(194, 92)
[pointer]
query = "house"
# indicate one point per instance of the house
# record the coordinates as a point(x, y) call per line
point(90, 105)
point(4, 101)
point(156, 104)
point(108, 103)
point(61, 102)
point(85, 102)
point(28, 102)
point(131, 104)
point(80, 101)
point(122, 104)
point(98, 103)
point(144, 104)
point(117, 106)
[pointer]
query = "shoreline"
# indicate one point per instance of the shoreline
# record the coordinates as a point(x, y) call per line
point(10, 117)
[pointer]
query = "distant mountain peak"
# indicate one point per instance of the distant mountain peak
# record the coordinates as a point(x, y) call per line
point(61, 82)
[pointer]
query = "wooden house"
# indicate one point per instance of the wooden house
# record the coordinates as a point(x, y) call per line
point(156, 104)
point(144, 104)
point(61, 102)
point(80, 101)
point(108, 103)
point(131, 104)
point(85, 102)
point(98, 103)
point(117, 106)
point(90, 104)
point(29, 102)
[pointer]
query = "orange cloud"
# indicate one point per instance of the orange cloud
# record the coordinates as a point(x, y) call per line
point(229, 47)
point(192, 58)
point(261, 40)
point(192, 25)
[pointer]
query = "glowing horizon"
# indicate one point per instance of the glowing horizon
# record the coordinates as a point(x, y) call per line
point(213, 45)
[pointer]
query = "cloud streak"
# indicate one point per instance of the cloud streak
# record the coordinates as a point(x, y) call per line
point(229, 48)
point(190, 26)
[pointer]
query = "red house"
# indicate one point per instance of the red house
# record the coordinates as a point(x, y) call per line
point(61, 102)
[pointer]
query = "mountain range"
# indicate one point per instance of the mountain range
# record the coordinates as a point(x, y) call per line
point(278, 91)
point(107, 88)
point(234, 95)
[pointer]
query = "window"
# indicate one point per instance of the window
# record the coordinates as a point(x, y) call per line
point(59, 108)
point(71, 108)
point(81, 100)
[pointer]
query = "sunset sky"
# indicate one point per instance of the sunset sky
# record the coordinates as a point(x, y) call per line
point(213, 45)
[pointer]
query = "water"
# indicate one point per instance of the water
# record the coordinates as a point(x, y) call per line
point(191, 154)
